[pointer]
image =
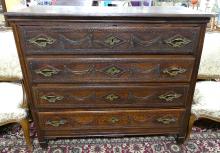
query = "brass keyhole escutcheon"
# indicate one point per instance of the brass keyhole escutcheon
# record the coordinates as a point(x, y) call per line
point(114, 120)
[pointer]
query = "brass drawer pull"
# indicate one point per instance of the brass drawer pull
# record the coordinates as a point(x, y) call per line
point(51, 98)
point(173, 71)
point(177, 41)
point(47, 71)
point(166, 120)
point(42, 41)
point(114, 120)
point(169, 96)
point(56, 123)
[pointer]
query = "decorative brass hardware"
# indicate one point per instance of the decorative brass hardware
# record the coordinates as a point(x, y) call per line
point(56, 123)
point(112, 41)
point(112, 97)
point(113, 71)
point(177, 41)
point(42, 40)
point(166, 120)
point(114, 120)
point(173, 71)
point(51, 98)
point(47, 71)
point(169, 96)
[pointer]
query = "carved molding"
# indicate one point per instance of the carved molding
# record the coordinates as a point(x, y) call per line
point(133, 98)
point(135, 40)
point(84, 98)
point(88, 71)
point(88, 39)
point(110, 41)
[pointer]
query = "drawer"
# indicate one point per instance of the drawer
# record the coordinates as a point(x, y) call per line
point(116, 132)
point(111, 69)
point(113, 119)
point(110, 96)
point(110, 38)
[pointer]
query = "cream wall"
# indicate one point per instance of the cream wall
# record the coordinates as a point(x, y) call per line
point(12, 4)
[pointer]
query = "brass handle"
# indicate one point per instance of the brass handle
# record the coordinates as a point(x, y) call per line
point(173, 71)
point(112, 97)
point(56, 123)
point(177, 41)
point(114, 120)
point(51, 98)
point(42, 41)
point(166, 120)
point(47, 72)
point(169, 96)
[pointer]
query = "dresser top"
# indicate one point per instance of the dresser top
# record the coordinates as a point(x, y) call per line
point(97, 11)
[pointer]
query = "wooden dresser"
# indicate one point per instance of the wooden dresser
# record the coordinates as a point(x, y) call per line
point(92, 71)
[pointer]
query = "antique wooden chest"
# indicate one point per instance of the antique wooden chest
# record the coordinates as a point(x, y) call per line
point(92, 71)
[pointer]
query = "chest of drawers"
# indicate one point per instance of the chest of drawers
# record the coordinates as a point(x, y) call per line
point(109, 74)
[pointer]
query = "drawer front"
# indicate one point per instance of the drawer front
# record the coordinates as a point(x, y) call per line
point(69, 120)
point(116, 132)
point(120, 69)
point(106, 96)
point(110, 38)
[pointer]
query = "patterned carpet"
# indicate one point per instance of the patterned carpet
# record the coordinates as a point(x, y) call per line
point(203, 140)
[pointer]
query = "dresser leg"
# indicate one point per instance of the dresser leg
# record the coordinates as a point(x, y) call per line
point(180, 139)
point(43, 144)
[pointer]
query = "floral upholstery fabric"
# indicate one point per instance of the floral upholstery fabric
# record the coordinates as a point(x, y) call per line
point(17, 115)
point(210, 60)
point(206, 100)
point(11, 98)
point(10, 69)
